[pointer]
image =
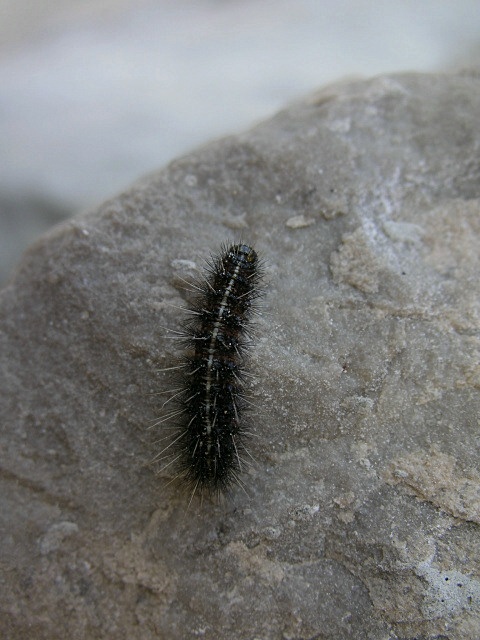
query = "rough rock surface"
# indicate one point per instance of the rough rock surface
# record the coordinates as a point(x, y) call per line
point(363, 513)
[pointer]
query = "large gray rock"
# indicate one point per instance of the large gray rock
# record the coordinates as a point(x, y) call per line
point(363, 513)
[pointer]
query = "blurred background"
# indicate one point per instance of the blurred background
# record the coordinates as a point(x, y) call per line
point(95, 93)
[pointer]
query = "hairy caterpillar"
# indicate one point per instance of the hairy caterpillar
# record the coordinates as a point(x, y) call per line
point(209, 444)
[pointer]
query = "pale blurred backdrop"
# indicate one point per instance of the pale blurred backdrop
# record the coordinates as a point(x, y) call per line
point(95, 93)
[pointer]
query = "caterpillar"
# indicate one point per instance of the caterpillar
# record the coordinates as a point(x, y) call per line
point(209, 443)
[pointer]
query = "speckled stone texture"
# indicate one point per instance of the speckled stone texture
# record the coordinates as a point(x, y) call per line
point(362, 518)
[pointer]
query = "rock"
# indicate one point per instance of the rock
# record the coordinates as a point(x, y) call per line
point(362, 514)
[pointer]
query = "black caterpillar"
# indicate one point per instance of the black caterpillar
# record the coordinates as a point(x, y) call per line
point(210, 443)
